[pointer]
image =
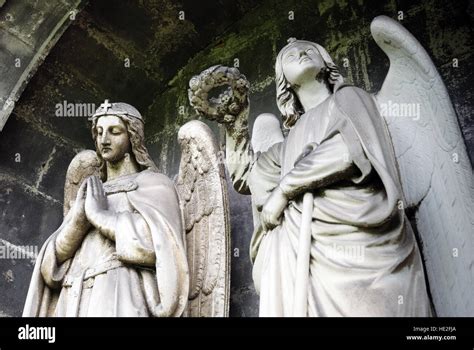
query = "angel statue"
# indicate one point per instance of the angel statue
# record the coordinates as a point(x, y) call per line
point(133, 242)
point(331, 235)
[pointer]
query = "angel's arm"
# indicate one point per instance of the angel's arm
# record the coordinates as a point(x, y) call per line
point(75, 227)
point(230, 109)
point(63, 245)
point(69, 239)
point(239, 158)
point(324, 164)
point(75, 224)
point(254, 166)
point(53, 269)
point(59, 249)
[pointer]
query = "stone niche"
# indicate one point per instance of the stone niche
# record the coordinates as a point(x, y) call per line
point(144, 53)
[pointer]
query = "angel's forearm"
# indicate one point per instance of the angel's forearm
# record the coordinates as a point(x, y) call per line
point(297, 183)
point(239, 158)
point(52, 269)
point(68, 240)
point(130, 233)
point(326, 164)
point(105, 221)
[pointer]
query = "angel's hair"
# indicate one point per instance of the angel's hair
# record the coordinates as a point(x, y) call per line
point(136, 136)
point(287, 100)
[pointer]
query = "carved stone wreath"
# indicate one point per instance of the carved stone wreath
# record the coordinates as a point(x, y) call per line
point(226, 107)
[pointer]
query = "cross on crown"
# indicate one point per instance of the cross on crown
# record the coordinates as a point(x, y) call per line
point(106, 105)
point(116, 108)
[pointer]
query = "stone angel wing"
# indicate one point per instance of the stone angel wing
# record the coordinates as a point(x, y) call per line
point(435, 170)
point(202, 190)
point(83, 165)
point(266, 132)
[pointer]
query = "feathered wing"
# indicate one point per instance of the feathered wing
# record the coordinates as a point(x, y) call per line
point(202, 191)
point(266, 132)
point(435, 170)
point(83, 165)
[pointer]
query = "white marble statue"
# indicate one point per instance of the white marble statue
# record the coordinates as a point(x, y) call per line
point(132, 242)
point(331, 235)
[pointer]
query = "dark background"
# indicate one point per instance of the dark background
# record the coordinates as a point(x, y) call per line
point(87, 66)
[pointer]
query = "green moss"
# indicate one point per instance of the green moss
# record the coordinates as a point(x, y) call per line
point(257, 37)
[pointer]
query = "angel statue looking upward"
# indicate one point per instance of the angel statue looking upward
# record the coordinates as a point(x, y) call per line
point(331, 236)
point(121, 249)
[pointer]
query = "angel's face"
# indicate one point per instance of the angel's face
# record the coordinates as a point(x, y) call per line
point(301, 62)
point(112, 138)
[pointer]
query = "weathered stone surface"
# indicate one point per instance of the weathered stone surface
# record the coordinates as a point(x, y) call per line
point(15, 277)
point(165, 53)
point(51, 176)
point(243, 301)
point(28, 30)
point(24, 149)
point(460, 79)
point(28, 215)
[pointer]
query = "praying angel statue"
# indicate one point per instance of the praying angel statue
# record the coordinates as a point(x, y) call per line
point(134, 243)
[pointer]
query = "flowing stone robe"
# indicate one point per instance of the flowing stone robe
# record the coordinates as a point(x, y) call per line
point(143, 272)
point(364, 257)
